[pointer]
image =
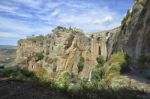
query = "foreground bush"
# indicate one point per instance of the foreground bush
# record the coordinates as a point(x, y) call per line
point(18, 73)
point(98, 72)
point(78, 90)
point(116, 65)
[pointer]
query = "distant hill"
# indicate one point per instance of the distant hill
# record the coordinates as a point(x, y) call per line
point(7, 47)
point(7, 55)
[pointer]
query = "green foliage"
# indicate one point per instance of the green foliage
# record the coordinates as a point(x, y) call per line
point(39, 56)
point(60, 27)
point(51, 60)
point(125, 67)
point(29, 58)
point(80, 65)
point(98, 72)
point(74, 88)
point(82, 59)
point(58, 30)
point(100, 61)
point(74, 78)
point(63, 80)
point(96, 90)
point(18, 73)
point(36, 39)
point(78, 90)
point(126, 18)
point(116, 65)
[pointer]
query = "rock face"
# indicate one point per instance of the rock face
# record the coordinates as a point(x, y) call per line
point(72, 51)
point(64, 49)
point(134, 37)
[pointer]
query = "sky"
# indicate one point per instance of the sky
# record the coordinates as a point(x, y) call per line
point(22, 18)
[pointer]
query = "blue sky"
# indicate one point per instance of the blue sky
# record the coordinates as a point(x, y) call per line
point(21, 18)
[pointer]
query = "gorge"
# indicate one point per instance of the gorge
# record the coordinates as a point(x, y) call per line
point(112, 64)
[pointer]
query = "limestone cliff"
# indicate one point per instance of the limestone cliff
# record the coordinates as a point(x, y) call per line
point(72, 51)
point(66, 50)
point(134, 37)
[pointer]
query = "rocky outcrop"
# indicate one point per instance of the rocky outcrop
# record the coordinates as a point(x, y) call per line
point(134, 37)
point(72, 51)
point(66, 50)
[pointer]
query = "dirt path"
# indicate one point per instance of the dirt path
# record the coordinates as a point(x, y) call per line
point(136, 80)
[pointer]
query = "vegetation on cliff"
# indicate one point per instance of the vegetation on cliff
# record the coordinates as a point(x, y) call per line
point(80, 64)
point(75, 90)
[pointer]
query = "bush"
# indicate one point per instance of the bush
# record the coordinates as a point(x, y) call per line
point(18, 73)
point(80, 65)
point(63, 80)
point(74, 78)
point(98, 72)
point(36, 39)
point(39, 56)
point(51, 60)
point(125, 20)
point(41, 73)
point(29, 58)
point(81, 89)
point(100, 61)
point(116, 65)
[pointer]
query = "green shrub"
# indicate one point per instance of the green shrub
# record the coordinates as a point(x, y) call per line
point(39, 56)
point(18, 73)
point(63, 80)
point(36, 39)
point(116, 65)
point(100, 61)
point(81, 89)
point(74, 78)
point(98, 73)
point(74, 88)
point(51, 60)
point(29, 58)
point(82, 59)
point(125, 66)
point(80, 64)
point(125, 20)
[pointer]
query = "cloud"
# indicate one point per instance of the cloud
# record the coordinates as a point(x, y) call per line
point(93, 20)
point(20, 29)
point(9, 35)
point(21, 18)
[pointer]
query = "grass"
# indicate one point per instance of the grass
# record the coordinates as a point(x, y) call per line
point(75, 88)
point(36, 39)
point(116, 65)
point(18, 73)
point(78, 90)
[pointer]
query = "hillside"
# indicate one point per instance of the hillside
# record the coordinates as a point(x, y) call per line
point(113, 64)
point(7, 46)
point(7, 55)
